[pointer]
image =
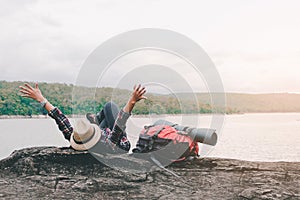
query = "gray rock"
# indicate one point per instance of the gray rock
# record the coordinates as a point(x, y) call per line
point(62, 173)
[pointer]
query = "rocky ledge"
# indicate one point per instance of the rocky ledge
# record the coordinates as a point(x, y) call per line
point(61, 173)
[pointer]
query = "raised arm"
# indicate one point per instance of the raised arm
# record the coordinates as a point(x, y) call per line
point(119, 136)
point(36, 94)
point(61, 120)
point(137, 95)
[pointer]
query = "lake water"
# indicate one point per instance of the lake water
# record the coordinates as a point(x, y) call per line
point(254, 137)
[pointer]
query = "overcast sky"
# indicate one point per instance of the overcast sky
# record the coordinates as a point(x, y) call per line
point(255, 45)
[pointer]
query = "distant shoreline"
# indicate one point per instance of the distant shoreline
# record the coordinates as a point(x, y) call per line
point(134, 115)
point(34, 116)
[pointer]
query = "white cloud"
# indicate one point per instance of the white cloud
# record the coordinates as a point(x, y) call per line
point(254, 44)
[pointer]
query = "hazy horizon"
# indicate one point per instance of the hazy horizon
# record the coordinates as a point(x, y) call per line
point(226, 92)
point(254, 45)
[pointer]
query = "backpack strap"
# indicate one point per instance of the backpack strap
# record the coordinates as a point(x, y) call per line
point(147, 128)
point(154, 137)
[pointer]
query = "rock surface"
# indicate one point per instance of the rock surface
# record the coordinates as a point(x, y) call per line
point(61, 173)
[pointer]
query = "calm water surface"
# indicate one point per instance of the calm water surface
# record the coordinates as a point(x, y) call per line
point(256, 137)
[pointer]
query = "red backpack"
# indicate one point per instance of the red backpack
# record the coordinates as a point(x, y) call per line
point(167, 142)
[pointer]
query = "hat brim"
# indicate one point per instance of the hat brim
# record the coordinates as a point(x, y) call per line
point(89, 144)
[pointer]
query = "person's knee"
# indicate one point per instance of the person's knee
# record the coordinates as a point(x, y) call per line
point(112, 106)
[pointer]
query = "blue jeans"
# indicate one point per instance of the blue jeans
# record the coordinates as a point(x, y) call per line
point(115, 119)
point(107, 116)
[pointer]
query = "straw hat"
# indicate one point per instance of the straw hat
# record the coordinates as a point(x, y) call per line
point(85, 135)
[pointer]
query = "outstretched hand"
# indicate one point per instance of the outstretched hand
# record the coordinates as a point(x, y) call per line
point(30, 92)
point(138, 93)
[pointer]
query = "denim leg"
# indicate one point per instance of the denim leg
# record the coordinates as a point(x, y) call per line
point(108, 115)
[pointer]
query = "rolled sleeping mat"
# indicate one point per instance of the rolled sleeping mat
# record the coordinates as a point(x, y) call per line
point(202, 135)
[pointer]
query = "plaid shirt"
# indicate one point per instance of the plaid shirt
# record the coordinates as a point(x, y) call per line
point(117, 136)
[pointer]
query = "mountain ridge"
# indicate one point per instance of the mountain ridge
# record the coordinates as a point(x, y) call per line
point(79, 100)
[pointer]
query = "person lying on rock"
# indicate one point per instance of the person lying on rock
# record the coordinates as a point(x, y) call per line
point(104, 130)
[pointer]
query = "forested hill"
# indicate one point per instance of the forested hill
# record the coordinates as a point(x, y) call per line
point(80, 100)
point(256, 103)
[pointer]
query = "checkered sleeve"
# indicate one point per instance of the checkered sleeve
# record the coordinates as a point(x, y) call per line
point(62, 121)
point(118, 135)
